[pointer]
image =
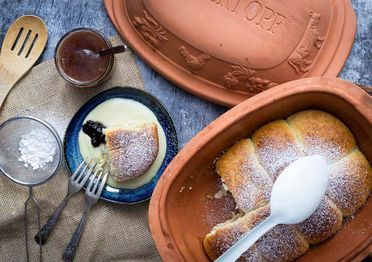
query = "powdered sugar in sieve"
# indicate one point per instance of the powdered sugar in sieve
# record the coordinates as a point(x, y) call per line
point(37, 148)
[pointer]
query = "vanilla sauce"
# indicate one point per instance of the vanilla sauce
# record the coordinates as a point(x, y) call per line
point(124, 113)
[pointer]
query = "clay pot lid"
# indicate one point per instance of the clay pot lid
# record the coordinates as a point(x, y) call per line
point(180, 212)
point(228, 51)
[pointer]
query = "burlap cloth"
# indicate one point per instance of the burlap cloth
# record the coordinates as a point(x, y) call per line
point(113, 232)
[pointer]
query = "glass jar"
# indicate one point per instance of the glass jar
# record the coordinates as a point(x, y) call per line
point(78, 60)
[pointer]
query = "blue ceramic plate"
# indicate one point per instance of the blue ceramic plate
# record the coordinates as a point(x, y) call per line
point(71, 142)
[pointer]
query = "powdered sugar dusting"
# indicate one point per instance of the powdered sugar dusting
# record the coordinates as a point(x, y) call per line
point(231, 236)
point(323, 223)
point(350, 182)
point(282, 243)
point(331, 151)
point(37, 149)
point(274, 158)
point(220, 209)
point(263, 182)
point(254, 190)
point(244, 177)
point(220, 193)
point(224, 235)
point(276, 146)
point(132, 151)
point(248, 197)
point(255, 187)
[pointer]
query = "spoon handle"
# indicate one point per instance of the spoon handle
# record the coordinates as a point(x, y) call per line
point(113, 50)
point(248, 240)
point(6, 83)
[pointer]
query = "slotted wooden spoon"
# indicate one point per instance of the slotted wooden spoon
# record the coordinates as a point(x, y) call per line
point(23, 44)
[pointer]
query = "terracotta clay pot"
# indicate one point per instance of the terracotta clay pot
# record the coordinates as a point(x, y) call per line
point(181, 213)
point(228, 51)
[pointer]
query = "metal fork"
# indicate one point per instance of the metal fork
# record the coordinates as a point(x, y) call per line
point(75, 184)
point(92, 194)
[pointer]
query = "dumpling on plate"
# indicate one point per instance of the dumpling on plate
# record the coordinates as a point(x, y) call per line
point(131, 150)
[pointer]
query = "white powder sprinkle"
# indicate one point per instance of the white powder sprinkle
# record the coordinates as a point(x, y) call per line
point(348, 189)
point(220, 193)
point(37, 148)
point(275, 157)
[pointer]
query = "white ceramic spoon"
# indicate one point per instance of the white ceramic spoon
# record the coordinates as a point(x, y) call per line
point(296, 194)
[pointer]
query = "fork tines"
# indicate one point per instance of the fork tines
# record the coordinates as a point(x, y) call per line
point(80, 175)
point(97, 184)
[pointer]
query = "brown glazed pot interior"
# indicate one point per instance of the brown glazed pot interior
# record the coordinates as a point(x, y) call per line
point(243, 48)
point(181, 212)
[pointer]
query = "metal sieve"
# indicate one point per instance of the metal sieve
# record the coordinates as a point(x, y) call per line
point(11, 132)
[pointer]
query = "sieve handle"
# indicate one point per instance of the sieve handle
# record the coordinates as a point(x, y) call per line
point(29, 199)
point(69, 253)
point(45, 231)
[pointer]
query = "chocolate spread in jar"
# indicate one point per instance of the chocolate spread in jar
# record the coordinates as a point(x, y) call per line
point(78, 56)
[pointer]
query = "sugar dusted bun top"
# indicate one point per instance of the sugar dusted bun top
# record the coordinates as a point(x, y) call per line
point(250, 167)
point(131, 149)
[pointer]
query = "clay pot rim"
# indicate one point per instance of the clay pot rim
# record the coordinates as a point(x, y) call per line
point(329, 67)
point(345, 90)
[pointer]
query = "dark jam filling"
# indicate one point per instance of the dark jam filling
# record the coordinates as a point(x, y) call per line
point(94, 131)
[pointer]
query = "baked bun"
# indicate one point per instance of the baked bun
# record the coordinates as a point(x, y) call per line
point(276, 147)
point(350, 182)
point(131, 150)
point(249, 168)
point(282, 243)
point(224, 235)
point(323, 223)
point(244, 177)
point(323, 134)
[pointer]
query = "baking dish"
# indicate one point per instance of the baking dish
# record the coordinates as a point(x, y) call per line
point(181, 212)
point(228, 51)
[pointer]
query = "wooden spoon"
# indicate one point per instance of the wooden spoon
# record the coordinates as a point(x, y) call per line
point(23, 44)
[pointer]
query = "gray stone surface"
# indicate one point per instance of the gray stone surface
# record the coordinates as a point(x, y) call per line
point(190, 113)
